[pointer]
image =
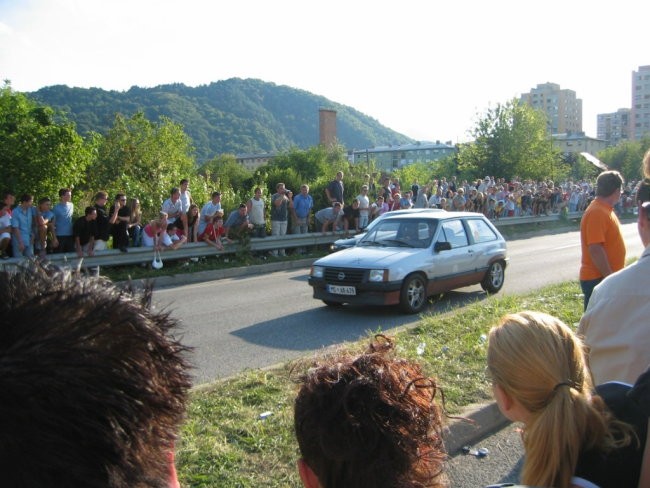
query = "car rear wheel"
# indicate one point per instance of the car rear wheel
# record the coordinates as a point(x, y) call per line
point(413, 296)
point(330, 303)
point(493, 280)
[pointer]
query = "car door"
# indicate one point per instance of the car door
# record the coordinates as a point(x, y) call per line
point(483, 240)
point(454, 267)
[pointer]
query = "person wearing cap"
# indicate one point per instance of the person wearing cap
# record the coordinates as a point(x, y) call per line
point(238, 222)
point(208, 211)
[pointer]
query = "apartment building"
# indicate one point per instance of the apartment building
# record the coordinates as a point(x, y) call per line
point(640, 123)
point(561, 106)
point(614, 127)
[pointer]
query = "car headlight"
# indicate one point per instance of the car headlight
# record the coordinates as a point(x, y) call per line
point(317, 271)
point(378, 275)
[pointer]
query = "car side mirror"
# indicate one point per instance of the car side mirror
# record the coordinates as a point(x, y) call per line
point(442, 246)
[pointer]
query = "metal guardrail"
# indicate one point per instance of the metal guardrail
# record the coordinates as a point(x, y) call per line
point(137, 255)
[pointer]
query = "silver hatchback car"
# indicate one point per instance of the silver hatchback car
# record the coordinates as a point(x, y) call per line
point(407, 258)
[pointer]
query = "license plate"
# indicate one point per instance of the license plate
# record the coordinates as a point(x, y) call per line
point(341, 290)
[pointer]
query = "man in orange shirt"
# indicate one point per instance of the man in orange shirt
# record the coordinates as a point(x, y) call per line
point(603, 248)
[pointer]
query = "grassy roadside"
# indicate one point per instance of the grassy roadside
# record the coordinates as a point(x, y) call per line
point(227, 443)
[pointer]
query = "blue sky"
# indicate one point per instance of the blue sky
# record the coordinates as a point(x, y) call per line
point(424, 68)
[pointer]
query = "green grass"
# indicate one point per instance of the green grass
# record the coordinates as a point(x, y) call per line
point(225, 443)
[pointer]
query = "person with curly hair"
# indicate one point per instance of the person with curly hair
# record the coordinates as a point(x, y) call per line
point(574, 435)
point(369, 420)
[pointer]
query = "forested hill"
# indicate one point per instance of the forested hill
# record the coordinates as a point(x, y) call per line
point(232, 116)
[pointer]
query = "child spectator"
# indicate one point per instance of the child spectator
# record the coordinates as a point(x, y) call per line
point(215, 232)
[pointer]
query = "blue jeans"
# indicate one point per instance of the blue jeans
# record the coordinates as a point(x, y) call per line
point(588, 288)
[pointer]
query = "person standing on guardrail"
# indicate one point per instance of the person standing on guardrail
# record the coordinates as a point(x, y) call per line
point(84, 231)
point(603, 247)
point(281, 201)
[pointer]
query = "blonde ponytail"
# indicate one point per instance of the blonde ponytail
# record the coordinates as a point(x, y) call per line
point(538, 361)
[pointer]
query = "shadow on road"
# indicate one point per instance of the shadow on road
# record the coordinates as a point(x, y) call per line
point(325, 326)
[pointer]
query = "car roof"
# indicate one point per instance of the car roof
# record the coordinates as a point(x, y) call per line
point(440, 215)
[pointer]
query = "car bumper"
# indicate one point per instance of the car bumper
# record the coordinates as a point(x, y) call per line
point(365, 293)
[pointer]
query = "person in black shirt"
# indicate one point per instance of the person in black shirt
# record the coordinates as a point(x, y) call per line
point(120, 217)
point(84, 231)
point(103, 221)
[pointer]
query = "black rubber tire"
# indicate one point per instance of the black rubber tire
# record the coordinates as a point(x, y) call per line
point(494, 278)
point(413, 296)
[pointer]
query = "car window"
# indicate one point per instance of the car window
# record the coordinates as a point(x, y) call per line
point(453, 232)
point(480, 231)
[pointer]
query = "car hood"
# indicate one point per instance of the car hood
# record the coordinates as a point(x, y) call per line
point(367, 257)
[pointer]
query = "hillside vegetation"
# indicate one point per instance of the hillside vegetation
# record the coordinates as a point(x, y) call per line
point(232, 116)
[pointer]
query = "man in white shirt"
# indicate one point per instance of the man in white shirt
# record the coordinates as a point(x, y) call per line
point(208, 211)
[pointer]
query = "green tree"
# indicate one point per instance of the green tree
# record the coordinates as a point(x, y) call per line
point(145, 160)
point(224, 171)
point(40, 151)
point(626, 157)
point(511, 140)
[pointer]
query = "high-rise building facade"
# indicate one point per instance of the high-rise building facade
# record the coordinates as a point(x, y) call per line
point(640, 124)
point(562, 108)
point(614, 127)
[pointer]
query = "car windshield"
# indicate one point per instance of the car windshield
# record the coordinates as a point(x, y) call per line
point(401, 233)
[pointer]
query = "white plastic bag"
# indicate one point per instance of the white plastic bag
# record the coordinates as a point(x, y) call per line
point(157, 262)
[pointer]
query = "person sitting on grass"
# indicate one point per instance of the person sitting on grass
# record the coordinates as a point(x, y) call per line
point(94, 384)
point(215, 232)
point(369, 420)
point(573, 435)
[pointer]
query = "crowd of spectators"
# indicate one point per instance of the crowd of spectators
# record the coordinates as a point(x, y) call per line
point(27, 229)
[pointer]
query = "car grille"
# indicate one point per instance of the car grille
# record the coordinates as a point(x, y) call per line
point(344, 275)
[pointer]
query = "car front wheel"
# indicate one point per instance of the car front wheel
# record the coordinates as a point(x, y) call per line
point(413, 296)
point(493, 280)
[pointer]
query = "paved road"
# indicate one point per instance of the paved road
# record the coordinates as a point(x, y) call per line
point(253, 322)
point(501, 465)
